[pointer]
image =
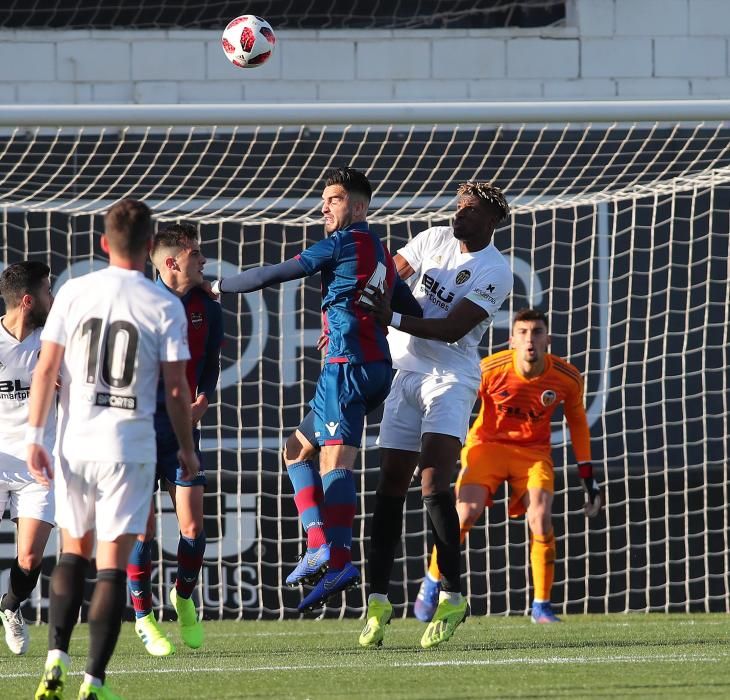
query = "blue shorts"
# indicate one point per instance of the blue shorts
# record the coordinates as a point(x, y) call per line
point(345, 394)
point(168, 465)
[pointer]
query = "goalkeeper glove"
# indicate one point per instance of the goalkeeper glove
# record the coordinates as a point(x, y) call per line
point(592, 490)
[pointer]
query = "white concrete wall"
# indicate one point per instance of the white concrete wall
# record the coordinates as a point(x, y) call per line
point(609, 48)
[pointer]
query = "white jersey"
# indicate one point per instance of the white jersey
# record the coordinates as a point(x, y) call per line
point(116, 327)
point(17, 362)
point(443, 276)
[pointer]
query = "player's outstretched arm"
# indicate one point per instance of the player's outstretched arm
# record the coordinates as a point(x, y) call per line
point(177, 402)
point(259, 277)
point(42, 389)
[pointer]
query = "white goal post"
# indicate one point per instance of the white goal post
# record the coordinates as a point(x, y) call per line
point(620, 231)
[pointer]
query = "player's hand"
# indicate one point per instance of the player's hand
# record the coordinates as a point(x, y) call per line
point(39, 464)
point(322, 341)
point(373, 300)
point(189, 464)
point(592, 506)
point(198, 408)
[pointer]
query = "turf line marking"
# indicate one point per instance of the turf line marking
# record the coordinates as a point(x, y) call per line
point(530, 661)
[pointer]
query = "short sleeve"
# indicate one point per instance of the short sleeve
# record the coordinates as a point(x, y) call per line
point(321, 255)
point(54, 329)
point(414, 251)
point(174, 333)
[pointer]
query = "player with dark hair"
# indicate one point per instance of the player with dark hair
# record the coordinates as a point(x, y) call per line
point(26, 289)
point(109, 333)
point(510, 442)
point(461, 280)
point(179, 262)
point(355, 378)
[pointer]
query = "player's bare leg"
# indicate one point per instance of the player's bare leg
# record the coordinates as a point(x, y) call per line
point(32, 538)
point(188, 502)
point(539, 504)
point(338, 514)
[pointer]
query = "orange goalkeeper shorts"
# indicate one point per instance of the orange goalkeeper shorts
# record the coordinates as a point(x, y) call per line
point(490, 464)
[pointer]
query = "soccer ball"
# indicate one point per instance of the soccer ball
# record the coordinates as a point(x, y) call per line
point(248, 41)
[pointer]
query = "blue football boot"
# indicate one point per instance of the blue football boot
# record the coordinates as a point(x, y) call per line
point(311, 567)
point(333, 582)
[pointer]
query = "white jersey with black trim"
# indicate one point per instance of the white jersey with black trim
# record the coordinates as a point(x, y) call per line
point(443, 276)
point(18, 359)
point(116, 327)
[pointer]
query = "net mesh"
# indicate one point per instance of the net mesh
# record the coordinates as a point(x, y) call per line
point(282, 14)
point(619, 232)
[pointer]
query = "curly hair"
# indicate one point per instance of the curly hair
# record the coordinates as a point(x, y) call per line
point(486, 192)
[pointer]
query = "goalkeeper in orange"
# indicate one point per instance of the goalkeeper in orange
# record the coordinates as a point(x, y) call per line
point(510, 441)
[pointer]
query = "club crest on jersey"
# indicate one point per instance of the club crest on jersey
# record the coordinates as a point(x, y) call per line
point(463, 276)
point(196, 318)
point(548, 397)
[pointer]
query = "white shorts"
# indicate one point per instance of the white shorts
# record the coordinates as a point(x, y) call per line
point(424, 403)
point(25, 497)
point(112, 498)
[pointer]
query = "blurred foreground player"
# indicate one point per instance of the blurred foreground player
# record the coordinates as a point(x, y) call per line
point(108, 333)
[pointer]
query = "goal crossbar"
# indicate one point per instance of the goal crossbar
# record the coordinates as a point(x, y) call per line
point(542, 112)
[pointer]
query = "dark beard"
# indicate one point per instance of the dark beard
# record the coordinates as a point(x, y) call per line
point(38, 317)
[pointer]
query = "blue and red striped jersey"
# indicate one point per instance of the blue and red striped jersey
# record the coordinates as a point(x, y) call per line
point(205, 338)
point(349, 260)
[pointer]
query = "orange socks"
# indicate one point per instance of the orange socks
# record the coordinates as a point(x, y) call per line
point(542, 559)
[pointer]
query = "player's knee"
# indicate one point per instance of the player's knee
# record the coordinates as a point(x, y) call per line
point(297, 451)
point(468, 517)
point(434, 481)
point(191, 530)
point(393, 484)
point(539, 521)
point(29, 560)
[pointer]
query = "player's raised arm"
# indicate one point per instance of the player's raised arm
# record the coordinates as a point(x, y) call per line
point(259, 277)
point(42, 390)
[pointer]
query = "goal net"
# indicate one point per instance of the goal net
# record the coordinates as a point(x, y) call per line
point(620, 231)
point(283, 14)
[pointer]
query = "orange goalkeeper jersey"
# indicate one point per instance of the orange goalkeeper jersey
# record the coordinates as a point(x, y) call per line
point(516, 410)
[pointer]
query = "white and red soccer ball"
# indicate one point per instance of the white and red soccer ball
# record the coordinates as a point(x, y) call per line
point(248, 41)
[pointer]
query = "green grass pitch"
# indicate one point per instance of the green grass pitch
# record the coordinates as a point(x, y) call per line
point(591, 656)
